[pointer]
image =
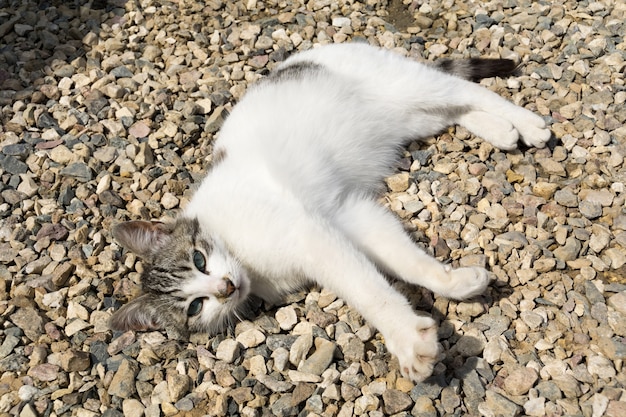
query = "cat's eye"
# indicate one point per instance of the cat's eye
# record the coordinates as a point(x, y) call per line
point(199, 261)
point(195, 307)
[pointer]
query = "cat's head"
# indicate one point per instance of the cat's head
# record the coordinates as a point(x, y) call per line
point(190, 282)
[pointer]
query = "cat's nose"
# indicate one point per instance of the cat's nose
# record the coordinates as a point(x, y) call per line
point(229, 287)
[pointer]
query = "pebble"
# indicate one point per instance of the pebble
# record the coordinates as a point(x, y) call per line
point(44, 372)
point(133, 408)
point(398, 182)
point(29, 321)
point(317, 363)
point(498, 405)
point(75, 361)
point(601, 366)
point(139, 130)
point(396, 401)
point(569, 251)
point(535, 407)
point(286, 317)
point(520, 381)
point(227, 350)
point(424, 407)
point(78, 170)
point(251, 338)
point(300, 348)
point(123, 382)
point(178, 386)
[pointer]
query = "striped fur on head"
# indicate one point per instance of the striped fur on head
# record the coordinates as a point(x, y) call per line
point(189, 282)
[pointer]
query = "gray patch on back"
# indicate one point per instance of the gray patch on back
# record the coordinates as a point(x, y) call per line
point(295, 71)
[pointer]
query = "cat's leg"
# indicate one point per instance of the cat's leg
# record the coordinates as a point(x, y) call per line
point(331, 260)
point(393, 82)
point(496, 130)
point(286, 244)
point(381, 236)
point(499, 121)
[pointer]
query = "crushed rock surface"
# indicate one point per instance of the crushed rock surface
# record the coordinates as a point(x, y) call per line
point(108, 112)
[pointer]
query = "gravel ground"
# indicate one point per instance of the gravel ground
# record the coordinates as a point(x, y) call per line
point(109, 110)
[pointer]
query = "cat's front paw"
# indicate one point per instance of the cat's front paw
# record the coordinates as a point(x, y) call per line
point(416, 348)
point(466, 283)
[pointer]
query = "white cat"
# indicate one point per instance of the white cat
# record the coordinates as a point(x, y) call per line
point(290, 198)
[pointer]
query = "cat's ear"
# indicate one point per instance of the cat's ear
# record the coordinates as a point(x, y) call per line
point(142, 237)
point(138, 315)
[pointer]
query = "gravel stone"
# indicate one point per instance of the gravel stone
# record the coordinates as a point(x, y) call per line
point(227, 350)
point(123, 382)
point(396, 401)
point(320, 359)
point(29, 321)
point(497, 404)
point(251, 338)
point(286, 317)
point(520, 381)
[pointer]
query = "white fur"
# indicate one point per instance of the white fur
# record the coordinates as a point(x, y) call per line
point(293, 198)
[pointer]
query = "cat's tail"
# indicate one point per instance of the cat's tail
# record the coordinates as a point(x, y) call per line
point(475, 69)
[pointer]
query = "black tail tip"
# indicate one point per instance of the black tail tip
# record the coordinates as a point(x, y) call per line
point(475, 69)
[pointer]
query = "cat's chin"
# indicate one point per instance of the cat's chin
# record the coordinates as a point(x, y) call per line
point(242, 290)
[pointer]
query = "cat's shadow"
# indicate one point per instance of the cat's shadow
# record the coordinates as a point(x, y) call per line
point(462, 352)
point(455, 362)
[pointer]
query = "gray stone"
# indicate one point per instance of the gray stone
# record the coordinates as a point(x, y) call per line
point(469, 346)
point(352, 348)
point(590, 209)
point(549, 390)
point(569, 251)
point(273, 384)
point(19, 150)
point(123, 382)
point(472, 386)
point(283, 406)
point(618, 301)
point(122, 72)
point(496, 324)
point(12, 165)
point(593, 295)
point(396, 401)
point(450, 399)
point(78, 170)
point(500, 406)
point(566, 198)
point(9, 343)
point(275, 341)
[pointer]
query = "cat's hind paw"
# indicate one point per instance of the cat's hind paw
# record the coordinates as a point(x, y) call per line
point(532, 128)
point(466, 283)
point(416, 349)
point(496, 130)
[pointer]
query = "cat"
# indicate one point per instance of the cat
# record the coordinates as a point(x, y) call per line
point(290, 197)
